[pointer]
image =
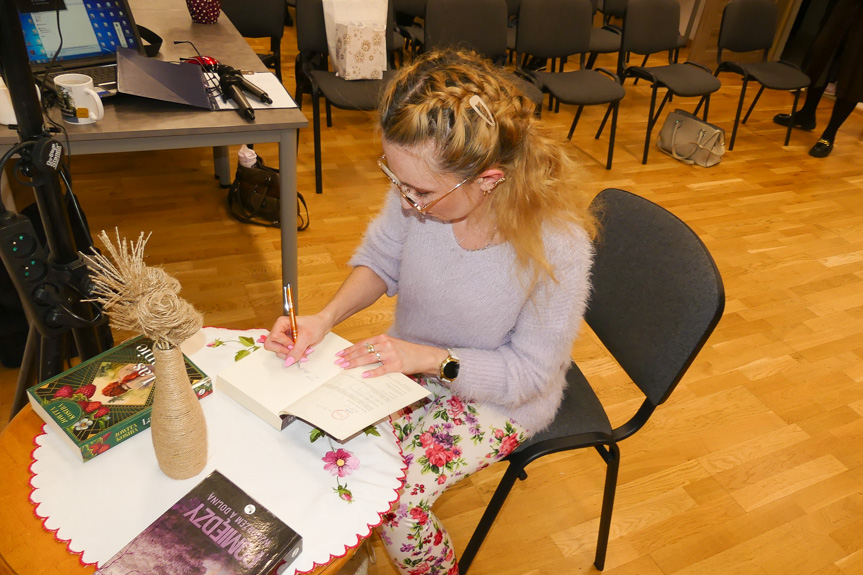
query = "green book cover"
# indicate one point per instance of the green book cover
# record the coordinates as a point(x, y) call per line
point(107, 399)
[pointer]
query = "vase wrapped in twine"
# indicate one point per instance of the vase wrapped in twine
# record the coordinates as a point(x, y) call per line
point(177, 421)
point(144, 299)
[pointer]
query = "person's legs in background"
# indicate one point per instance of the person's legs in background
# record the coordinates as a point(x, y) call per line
point(444, 441)
point(841, 110)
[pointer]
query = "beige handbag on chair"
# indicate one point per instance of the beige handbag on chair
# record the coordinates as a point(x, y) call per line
point(356, 37)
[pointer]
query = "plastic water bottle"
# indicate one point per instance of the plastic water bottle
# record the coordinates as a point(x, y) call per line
point(247, 156)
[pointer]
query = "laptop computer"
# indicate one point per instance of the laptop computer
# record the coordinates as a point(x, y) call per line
point(91, 30)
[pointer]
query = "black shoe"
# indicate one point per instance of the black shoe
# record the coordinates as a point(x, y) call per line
point(799, 122)
point(821, 149)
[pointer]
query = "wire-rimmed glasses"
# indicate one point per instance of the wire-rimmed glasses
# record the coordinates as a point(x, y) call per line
point(405, 190)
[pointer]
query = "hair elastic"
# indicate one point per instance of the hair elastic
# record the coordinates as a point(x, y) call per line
point(480, 107)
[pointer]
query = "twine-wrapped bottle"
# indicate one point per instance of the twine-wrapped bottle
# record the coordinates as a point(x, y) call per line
point(143, 299)
point(177, 420)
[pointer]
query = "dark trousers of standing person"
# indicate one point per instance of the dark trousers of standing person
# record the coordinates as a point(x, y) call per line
point(839, 44)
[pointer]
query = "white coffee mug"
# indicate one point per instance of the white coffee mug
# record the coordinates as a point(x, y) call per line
point(79, 102)
point(7, 113)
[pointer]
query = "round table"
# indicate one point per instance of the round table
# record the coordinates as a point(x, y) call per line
point(28, 546)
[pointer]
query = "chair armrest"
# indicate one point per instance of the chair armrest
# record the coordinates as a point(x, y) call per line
point(613, 76)
point(730, 66)
point(638, 72)
point(705, 68)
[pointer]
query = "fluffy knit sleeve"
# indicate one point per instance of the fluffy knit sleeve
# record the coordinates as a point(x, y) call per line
point(382, 245)
point(526, 375)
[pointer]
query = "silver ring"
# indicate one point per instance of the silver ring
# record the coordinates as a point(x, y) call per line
point(370, 347)
point(378, 356)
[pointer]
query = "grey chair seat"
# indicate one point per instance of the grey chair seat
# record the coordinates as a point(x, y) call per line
point(683, 79)
point(353, 94)
point(586, 87)
point(604, 41)
point(580, 413)
point(776, 75)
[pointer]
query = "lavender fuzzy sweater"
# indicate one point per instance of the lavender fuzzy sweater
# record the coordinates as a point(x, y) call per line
point(513, 346)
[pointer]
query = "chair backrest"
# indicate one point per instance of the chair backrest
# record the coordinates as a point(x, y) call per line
point(748, 25)
point(411, 7)
point(312, 30)
point(614, 8)
point(263, 19)
point(650, 26)
point(478, 25)
point(657, 294)
point(554, 28)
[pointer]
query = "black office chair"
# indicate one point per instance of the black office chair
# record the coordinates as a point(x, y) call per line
point(651, 26)
point(478, 25)
point(557, 29)
point(265, 20)
point(748, 26)
point(312, 66)
point(657, 296)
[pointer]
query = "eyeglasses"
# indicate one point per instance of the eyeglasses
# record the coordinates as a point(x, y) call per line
point(404, 189)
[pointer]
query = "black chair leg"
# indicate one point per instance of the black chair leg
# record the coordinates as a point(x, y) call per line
point(494, 506)
point(613, 108)
point(316, 129)
point(329, 113)
point(574, 122)
point(276, 49)
point(651, 119)
point(793, 113)
point(603, 122)
point(737, 116)
point(752, 105)
point(611, 455)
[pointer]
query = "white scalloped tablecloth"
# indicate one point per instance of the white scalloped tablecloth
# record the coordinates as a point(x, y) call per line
point(98, 506)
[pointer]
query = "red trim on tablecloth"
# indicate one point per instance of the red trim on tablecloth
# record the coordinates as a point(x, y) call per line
point(380, 515)
point(41, 519)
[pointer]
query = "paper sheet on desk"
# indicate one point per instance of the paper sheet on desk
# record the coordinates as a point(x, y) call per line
point(269, 83)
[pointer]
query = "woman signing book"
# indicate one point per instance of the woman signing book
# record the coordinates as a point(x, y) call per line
point(486, 240)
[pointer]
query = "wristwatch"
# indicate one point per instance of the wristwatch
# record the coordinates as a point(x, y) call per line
point(449, 367)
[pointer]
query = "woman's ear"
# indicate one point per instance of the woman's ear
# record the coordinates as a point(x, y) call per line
point(489, 179)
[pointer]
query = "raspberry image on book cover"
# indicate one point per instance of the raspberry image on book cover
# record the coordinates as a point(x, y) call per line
point(215, 529)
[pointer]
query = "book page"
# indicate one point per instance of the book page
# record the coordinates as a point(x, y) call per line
point(348, 403)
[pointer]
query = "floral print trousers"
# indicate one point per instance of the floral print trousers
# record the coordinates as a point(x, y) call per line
point(444, 439)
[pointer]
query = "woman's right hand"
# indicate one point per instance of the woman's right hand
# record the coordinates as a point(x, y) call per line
point(311, 329)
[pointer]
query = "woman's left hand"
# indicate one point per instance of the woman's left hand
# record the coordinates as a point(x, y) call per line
point(394, 355)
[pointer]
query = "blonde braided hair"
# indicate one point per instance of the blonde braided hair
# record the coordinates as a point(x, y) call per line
point(428, 101)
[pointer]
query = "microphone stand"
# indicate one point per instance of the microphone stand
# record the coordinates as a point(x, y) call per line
point(52, 282)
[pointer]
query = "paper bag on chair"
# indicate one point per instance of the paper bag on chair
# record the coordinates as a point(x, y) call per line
point(360, 49)
point(363, 20)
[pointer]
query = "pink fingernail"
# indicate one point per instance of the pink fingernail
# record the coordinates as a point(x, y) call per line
point(290, 347)
point(345, 364)
point(309, 350)
point(289, 361)
point(340, 353)
point(366, 373)
point(304, 358)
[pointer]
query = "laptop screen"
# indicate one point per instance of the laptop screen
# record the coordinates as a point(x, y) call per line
point(91, 32)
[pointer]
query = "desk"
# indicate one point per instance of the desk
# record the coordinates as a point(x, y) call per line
point(136, 124)
point(27, 548)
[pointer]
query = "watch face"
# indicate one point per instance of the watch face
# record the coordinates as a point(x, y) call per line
point(450, 369)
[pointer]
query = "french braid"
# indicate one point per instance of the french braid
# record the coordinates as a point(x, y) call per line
point(429, 101)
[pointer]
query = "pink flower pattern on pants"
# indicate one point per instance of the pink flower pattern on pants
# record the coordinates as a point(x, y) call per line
point(444, 440)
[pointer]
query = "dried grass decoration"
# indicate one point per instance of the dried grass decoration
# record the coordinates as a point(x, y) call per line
point(146, 300)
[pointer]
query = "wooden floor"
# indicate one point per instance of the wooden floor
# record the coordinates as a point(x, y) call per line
point(755, 464)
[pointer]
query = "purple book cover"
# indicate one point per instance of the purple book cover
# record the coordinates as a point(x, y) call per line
point(215, 529)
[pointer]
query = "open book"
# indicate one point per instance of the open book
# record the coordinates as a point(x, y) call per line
point(340, 402)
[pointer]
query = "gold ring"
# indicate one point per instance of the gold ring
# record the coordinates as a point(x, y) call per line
point(370, 347)
point(378, 357)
